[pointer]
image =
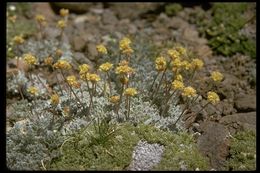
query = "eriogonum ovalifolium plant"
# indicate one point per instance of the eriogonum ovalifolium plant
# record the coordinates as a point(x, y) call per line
point(119, 89)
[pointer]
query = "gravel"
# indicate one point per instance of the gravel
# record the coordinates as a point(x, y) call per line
point(145, 156)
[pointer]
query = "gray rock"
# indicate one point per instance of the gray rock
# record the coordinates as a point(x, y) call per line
point(108, 17)
point(78, 43)
point(92, 51)
point(214, 143)
point(82, 59)
point(245, 103)
point(145, 156)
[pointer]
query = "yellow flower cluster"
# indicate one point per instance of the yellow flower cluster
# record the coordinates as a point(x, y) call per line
point(189, 92)
point(174, 54)
point(179, 77)
point(124, 80)
point(18, 39)
point(114, 99)
point(64, 12)
point(123, 62)
point(160, 63)
point(62, 64)
point(176, 63)
point(124, 69)
point(181, 50)
point(217, 76)
point(90, 77)
point(29, 59)
point(105, 67)
point(33, 90)
point(101, 49)
point(40, 18)
point(213, 97)
point(55, 99)
point(196, 64)
point(124, 46)
point(72, 81)
point(48, 61)
point(61, 24)
point(186, 65)
point(177, 85)
point(130, 92)
point(84, 68)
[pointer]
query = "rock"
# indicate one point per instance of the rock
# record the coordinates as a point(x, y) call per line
point(225, 107)
point(92, 51)
point(244, 120)
point(245, 103)
point(108, 17)
point(190, 34)
point(78, 43)
point(145, 156)
point(214, 143)
point(78, 8)
point(82, 59)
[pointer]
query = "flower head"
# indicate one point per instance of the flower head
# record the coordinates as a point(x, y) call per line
point(114, 99)
point(189, 92)
point(48, 60)
point(174, 54)
point(101, 49)
point(124, 46)
point(105, 67)
point(124, 69)
point(29, 59)
point(160, 63)
point(12, 18)
point(186, 65)
point(123, 62)
point(90, 77)
point(84, 68)
point(181, 50)
point(124, 80)
point(40, 18)
point(130, 92)
point(55, 99)
point(72, 81)
point(179, 77)
point(176, 63)
point(217, 76)
point(197, 64)
point(64, 12)
point(177, 85)
point(61, 24)
point(18, 39)
point(213, 97)
point(62, 64)
point(33, 90)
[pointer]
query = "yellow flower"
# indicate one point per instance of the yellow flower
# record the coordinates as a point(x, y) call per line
point(197, 64)
point(18, 39)
point(130, 92)
point(128, 50)
point(84, 68)
point(177, 85)
point(62, 64)
point(55, 99)
point(105, 67)
point(40, 18)
point(101, 49)
point(61, 24)
point(29, 59)
point(189, 92)
point(123, 62)
point(33, 90)
point(160, 63)
point(90, 77)
point(48, 60)
point(12, 18)
point(124, 69)
point(179, 77)
point(114, 99)
point(72, 81)
point(217, 76)
point(186, 65)
point(181, 50)
point(176, 63)
point(64, 12)
point(124, 80)
point(213, 97)
point(174, 54)
point(124, 43)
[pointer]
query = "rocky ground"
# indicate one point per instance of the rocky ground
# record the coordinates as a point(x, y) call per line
point(92, 23)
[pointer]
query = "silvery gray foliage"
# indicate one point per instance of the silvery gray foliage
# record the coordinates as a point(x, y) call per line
point(15, 81)
point(18, 111)
point(46, 47)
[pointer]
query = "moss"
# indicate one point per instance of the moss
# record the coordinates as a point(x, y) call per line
point(116, 153)
point(243, 151)
point(222, 28)
point(173, 9)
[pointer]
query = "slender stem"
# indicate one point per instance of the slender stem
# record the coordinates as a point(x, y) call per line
point(128, 111)
point(19, 87)
point(109, 83)
point(203, 107)
point(90, 94)
point(184, 110)
point(154, 81)
point(58, 81)
point(166, 102)
point(121, 95)
point(156, 91)
point(43, 85)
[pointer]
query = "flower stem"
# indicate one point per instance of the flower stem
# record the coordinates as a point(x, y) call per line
point(156, 91)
